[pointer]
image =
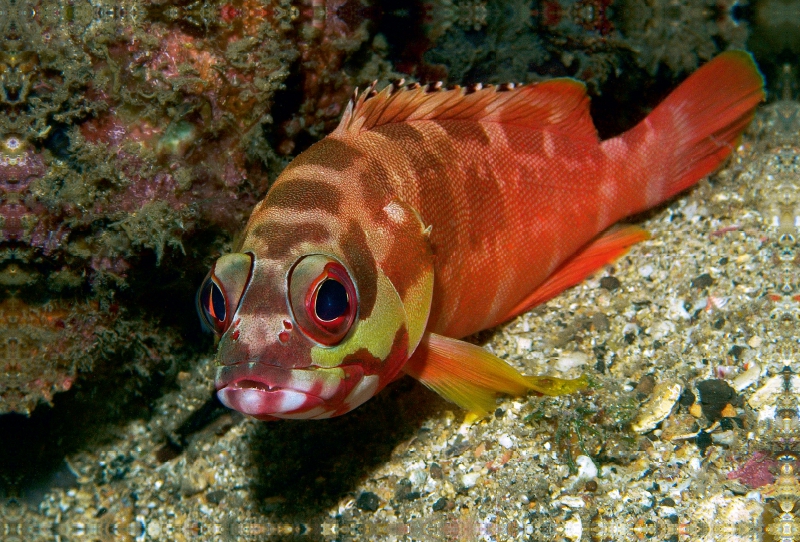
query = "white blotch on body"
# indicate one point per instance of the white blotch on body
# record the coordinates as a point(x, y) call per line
point(395, 212)
point(363, 391)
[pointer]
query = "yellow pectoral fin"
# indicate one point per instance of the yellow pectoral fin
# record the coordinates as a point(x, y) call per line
point(471, 377)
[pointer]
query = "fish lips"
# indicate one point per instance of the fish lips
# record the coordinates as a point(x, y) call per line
point(269, 392)
point(260, 401)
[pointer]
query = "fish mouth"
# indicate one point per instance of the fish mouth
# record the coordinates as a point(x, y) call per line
point(264, 400)
point(269, 392)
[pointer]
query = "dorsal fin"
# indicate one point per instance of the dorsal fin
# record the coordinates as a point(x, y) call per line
point(558, 105)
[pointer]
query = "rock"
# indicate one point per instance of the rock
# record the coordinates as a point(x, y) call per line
point(714, 395)
point(702, 281)
point(367, 501)
point(609, 283)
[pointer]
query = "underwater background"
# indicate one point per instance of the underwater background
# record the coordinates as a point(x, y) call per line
point(137, 136)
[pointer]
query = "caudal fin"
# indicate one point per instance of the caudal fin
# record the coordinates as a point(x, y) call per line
point(691, 132)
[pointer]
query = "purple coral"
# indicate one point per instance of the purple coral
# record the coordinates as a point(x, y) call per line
point(757, 471)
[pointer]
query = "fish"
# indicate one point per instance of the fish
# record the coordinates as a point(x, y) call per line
point(430, 214)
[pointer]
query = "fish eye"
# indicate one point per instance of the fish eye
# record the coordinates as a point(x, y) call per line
point(331, 301)
point(222, 290)
point(211, 306)
point(323, 298)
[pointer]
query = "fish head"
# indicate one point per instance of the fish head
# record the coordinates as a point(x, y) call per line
point(310, 330)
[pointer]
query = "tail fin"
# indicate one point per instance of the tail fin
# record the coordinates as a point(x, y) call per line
point(691, 132)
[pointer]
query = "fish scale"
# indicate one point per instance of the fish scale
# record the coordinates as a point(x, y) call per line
point(442, 213)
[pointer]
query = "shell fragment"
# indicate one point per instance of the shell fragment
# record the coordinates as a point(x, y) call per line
point(658, 407)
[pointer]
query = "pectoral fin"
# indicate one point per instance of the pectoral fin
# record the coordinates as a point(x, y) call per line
point(471, 377)
point(604, 249)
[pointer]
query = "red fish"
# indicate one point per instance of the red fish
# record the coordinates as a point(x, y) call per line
point(429, 215)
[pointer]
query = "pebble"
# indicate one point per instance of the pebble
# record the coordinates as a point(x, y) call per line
point(677, 310)
point(573, 501)
point(658, 407)
point(723, 438)
point(728, 411)
point(216, 496)
point(600, 322)
point(714, 395)
point(687, 398)
point(367, 501)
point(505, 441)
point(646, 270)
point(573, 528)
point(193, 482)
point(609, 283)
point(747, 378)
point(587, 470)
point(736, 351)
point(418, 477)
point(469, 479)
point(571, 360)
point(702, 281)
point(645, 386)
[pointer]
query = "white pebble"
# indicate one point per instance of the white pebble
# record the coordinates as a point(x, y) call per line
point(587, 470)
point(747, 378)
point(724, 438)
point(418, 477)
point(677, 310)
point(505, 441)
point(646, 270)
point(690, 210)
point(470, 479)
point(524, 345)
point(570, 360)
point(661, 329)
point(573, 528)
point(571, 501)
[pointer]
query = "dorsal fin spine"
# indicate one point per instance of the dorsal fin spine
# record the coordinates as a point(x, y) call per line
point(558, 106)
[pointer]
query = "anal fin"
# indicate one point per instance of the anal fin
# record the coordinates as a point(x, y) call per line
point(471, 377)
point(604, 249)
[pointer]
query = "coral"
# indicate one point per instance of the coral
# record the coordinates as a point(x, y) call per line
point(498, 42)
point(506, 47)
point(756, 472)
point(331, 33)
point(127, 129)
point(469, 41)
point(27, 333)
point(679, 33)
